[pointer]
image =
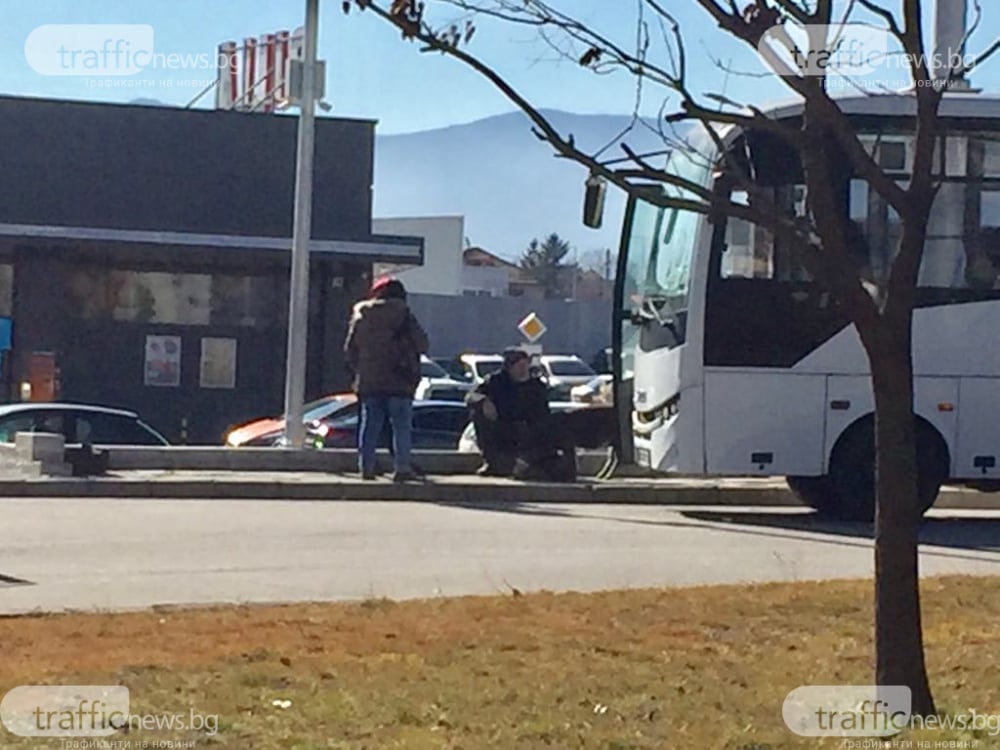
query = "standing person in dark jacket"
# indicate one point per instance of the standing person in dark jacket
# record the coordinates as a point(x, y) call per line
point(383, 348)
point(510, 412)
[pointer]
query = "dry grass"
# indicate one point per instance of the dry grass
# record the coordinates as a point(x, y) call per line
point(685, 668)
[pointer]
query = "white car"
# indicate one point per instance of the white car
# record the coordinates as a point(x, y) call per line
point(595, 392)
point(480, 366)
point(468, 443)
point(437, 385)
point(564, 371)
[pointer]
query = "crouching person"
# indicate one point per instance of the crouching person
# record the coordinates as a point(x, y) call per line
point(510, 413)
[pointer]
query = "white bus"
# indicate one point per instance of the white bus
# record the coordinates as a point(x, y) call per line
point(733, 361)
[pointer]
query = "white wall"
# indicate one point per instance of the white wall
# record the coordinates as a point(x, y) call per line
point(444, 240)
point(496, 281)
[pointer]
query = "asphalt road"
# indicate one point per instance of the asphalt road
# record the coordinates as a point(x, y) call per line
point(117, 554)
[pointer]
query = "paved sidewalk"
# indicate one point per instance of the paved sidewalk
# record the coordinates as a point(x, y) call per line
point(276, 485)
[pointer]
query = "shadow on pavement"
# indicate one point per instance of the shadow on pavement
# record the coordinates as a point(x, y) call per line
point(957, 535)
point(956, 532)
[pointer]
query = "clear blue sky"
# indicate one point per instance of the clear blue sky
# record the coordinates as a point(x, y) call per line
point(373, 73)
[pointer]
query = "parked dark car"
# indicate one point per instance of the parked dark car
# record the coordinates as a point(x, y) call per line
point(78, 424)
point(437, 425)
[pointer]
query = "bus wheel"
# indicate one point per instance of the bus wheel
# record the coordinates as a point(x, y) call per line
point(852, 470)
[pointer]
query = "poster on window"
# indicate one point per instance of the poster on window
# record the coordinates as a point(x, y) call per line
point(218, 363)
point(163, 361)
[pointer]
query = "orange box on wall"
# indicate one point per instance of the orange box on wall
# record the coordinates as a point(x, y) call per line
point(43, 376)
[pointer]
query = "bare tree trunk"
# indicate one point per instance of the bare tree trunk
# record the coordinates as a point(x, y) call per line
point(898, 630)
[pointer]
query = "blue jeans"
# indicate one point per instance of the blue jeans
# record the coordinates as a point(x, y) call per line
point(374, 410)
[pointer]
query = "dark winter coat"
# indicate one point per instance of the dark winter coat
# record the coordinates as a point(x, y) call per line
point(515, 402)
point(383, 348)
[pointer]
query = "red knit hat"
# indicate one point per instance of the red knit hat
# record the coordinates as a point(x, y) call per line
point(380, 283)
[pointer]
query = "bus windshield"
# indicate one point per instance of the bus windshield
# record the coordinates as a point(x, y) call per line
point(660, 250)
point(668, 273)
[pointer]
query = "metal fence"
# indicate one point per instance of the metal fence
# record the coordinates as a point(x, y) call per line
point(485, 324)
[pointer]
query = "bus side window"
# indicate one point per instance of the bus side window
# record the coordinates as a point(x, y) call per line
point(749, 249)
point(978, 211)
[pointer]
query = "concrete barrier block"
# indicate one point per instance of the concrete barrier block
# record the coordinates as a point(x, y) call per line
point(10, 462)
point(19, 470)
point(40, 446)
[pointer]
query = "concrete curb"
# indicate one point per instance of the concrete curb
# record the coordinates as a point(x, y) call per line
point(451, 490)
point(499, 491)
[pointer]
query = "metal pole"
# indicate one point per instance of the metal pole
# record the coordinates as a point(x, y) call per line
point(298, 291)
point(950, 26)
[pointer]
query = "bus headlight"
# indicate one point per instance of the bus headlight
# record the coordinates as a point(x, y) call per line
point(647, 421)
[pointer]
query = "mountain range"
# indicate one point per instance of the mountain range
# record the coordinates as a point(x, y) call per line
point(509, 185)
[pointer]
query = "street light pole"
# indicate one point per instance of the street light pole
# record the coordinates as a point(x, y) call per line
point(298, 290)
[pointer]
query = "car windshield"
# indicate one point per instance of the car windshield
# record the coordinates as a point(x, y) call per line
point(570, 368)
point(324, 407)
point(429, 369)
point(346, 415)
point(488, 367)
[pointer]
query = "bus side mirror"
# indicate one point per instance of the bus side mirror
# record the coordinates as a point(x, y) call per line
point(593, 201)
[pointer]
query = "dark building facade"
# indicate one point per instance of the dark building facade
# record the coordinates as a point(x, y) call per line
point(147, 249)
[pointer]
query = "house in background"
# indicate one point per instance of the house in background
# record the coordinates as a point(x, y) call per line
point(489, 274)
point(452, 269)
point(591, 286)
point(484, 273)
point(449, 267)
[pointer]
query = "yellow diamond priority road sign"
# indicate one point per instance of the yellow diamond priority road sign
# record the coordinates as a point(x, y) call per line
point(532, 327)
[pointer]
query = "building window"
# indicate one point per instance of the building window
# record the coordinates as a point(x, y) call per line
point(191, 299)
point(183, 298)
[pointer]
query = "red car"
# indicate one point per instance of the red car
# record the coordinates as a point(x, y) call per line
point(264, 432)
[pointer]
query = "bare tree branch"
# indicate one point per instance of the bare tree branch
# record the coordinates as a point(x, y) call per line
point(958, 72)
point(884, 14)
point(983, 57)
point(729, 70)
point(564, 146)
